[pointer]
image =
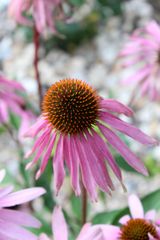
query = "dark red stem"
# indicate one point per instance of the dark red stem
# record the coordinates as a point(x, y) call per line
point(36, 39)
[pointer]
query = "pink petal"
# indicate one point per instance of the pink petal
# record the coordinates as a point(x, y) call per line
point(87, 176)
point(21, 196)
point(122, 148)
point(5, 191)
point(36, 128)
point(100, 145)
point(139, 75)
point(9, 230)
point(96, 170)
point(124, 219)
point(43, 237)
point(115, 106)
point(83, 231)
point(110, 232)
point(127, 129)
point(46, 156)
point(150, 215)
point(74, 163)
point(135, 207)
point(20, 218)
point(58, 164)
point(59, 226)
point(154, 29)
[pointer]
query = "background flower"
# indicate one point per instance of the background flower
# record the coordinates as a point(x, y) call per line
point(142, 55)
point(13, 222)
point(139, 225)
point(11, 100)
point(44, 12)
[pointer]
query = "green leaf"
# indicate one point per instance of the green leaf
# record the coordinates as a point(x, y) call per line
point(15, 120)
point(105, 217)
point(76, 206)
point(152, 201)
point(77, 3)
point(45, 181)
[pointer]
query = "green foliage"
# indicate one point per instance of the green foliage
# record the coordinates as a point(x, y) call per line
point(76, 3)
point(105, 217)
point(44, 181)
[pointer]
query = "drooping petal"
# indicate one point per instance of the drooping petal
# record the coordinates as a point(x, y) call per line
point(127, 129)
point(87, 176)
point(46, 156)
point(100, 145)
point(58, 164)
point(73, 161)
point(97, 165)
point(122, 148)
point(115, 106)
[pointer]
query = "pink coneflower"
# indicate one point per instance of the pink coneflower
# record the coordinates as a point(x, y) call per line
point(81, 125)
point(143, 53)
point(10, 101)
point(138, 226)
point(60, 229)
point(43, 11)
point(13, 222)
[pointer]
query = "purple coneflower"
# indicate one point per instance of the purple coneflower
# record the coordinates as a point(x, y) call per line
point(139, 226)
point(143, 53)
point(81, 125)
point(13, 222)
point(60, 229)
point(41, 10)
point(10, 101)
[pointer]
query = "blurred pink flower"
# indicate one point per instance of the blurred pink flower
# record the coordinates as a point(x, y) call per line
point(12, 222)
point(76, 120)
point(42, 11)
point(10, 101)
point(60, 230)
point(139, 225)
point(142, 55)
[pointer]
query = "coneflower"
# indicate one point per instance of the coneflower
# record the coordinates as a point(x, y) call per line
point(81, 125)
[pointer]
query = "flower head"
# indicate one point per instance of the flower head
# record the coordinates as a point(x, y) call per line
point(60, 229)
point(138, 226)
point(12, 222)
point(42, 12)
point(11, 101)
point(81, 124)
point(143, 53)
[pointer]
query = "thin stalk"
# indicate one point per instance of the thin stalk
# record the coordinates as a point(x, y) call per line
point(36, 40)
point(84, 205)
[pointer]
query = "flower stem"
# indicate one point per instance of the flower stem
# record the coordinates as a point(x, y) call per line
point(84, 205)
point(36, 39)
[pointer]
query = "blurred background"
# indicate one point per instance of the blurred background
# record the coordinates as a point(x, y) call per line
point(86, 48)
